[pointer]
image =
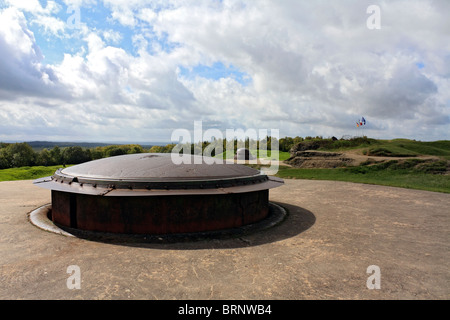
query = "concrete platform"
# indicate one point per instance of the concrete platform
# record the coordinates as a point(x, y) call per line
point(334, 231)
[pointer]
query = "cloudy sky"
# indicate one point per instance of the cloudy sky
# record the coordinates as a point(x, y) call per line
point(136, 70)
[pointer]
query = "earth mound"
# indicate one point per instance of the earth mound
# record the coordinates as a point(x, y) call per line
point(319, 159)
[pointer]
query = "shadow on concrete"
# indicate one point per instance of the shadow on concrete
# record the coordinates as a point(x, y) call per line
point(286, 221)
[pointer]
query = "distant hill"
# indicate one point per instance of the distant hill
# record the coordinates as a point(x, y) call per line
point(39, 145)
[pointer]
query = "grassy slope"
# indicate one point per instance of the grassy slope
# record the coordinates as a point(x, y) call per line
point(396, 178)
point(434, 148)
point(401, 147)
point(27, 173)
point(391, 175)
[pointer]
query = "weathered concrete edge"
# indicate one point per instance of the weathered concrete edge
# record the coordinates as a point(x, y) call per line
point(39, 218)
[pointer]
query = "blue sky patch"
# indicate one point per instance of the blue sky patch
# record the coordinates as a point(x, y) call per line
point(215, 72)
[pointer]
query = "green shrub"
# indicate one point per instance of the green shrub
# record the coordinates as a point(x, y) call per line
point(434, 167)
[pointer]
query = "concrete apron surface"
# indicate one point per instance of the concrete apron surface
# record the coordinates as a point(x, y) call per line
point(334, 234)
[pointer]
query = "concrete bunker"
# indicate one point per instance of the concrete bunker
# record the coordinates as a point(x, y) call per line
point(149, 194)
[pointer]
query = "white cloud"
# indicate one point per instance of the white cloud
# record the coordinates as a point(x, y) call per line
point(314, 67)
point(20, 68)
point(123, 11)
point(29, 5)
point(112, 36)
point(51, 24)
point(43, 16)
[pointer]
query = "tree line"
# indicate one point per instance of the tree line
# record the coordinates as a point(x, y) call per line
point(22, 154)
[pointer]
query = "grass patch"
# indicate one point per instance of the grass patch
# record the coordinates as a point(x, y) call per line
point(27, 173)
point(264, 154)
point(412, 174)
point(409, 148)
point(434, 148)
point(272, 155)
point(388, 152)
point(334, 145)
point(385, 148)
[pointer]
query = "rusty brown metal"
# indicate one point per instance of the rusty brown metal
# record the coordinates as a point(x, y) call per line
point(158, 215)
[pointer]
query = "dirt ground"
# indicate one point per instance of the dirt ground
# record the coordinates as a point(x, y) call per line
point(324, 159)
point(340, 159)
point(359, 158)
point(333, 233)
